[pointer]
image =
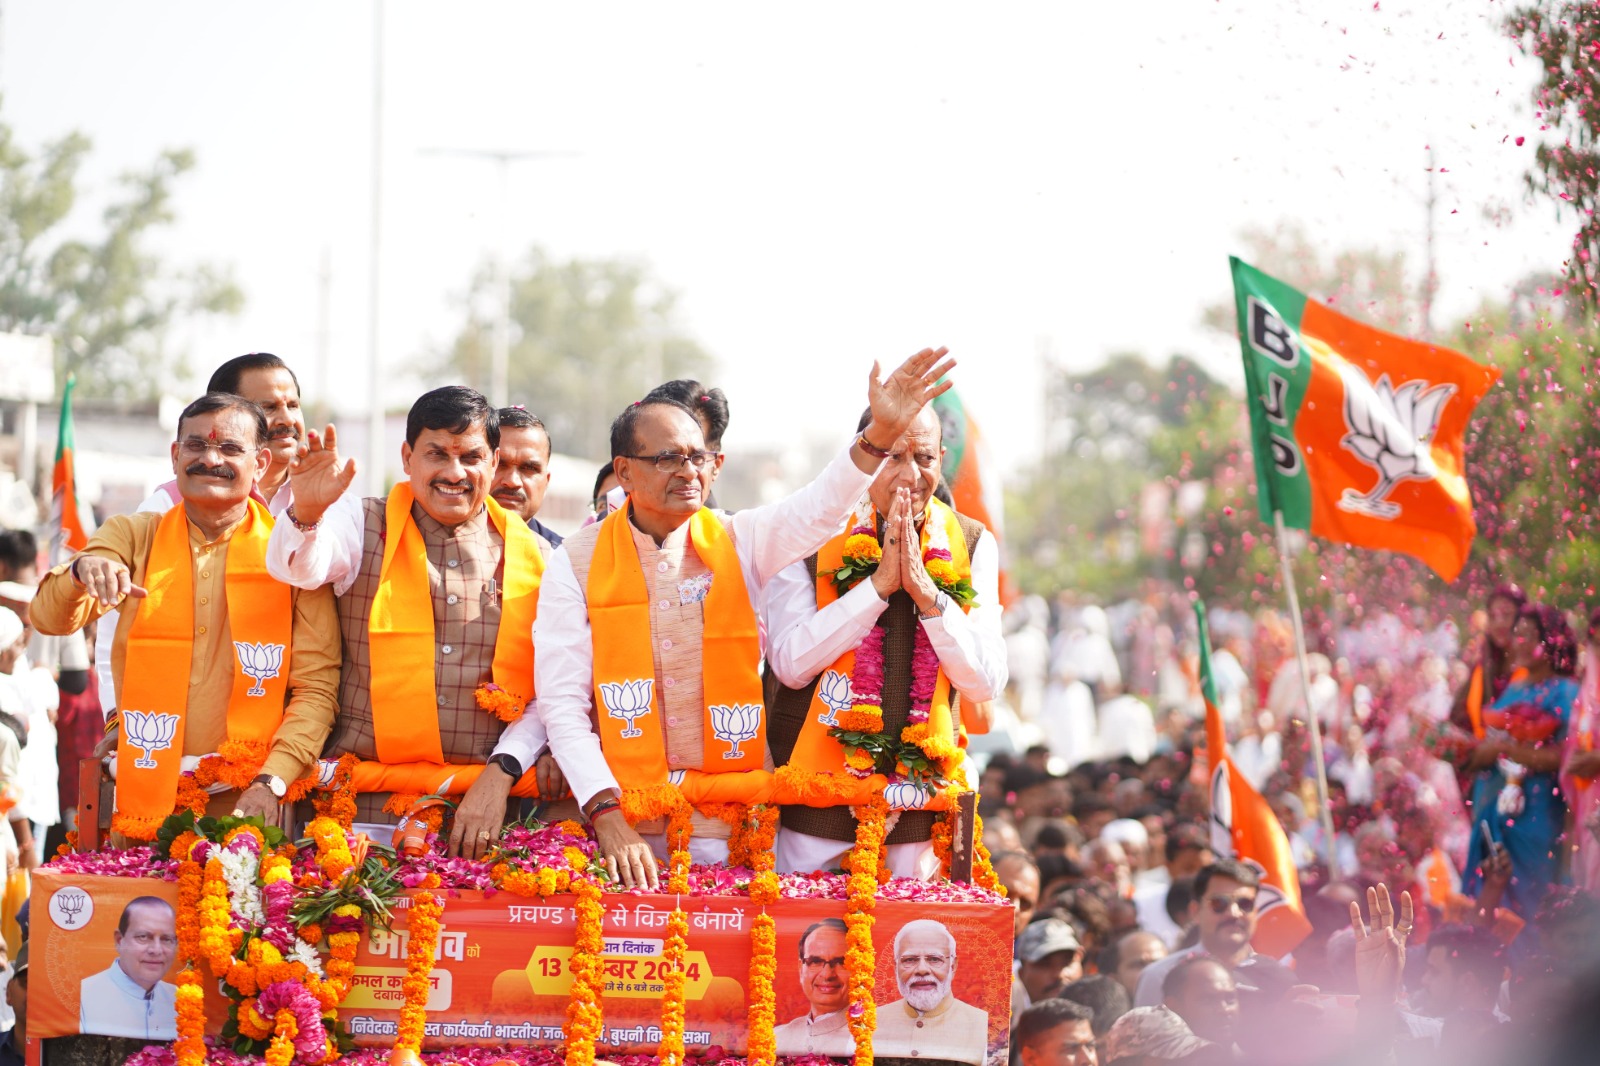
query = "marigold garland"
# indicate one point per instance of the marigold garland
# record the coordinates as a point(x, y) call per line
point(500, 702)
point(215, 944)
point(862, 864)
point(585, 1013)
point(190, 1047)
point(281, 1051)
point(422, 927)
point(338, 800)
point(761, 1044)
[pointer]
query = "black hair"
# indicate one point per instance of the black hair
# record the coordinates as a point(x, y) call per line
point(1229, 868)
point(1179, 975)
point(624, 428)
point(18, 549)
point(1180, 894)
point(600, 479)
point(141, 901)
point(1111, 957)
point(1187, 837)
point(226, 401)
point(226, 377)
point(452, 409)
point(1107, 999)
point(1039, 1019)
point(520, 418)
point(826, 923)
point(1471, 950)
point(710, 405)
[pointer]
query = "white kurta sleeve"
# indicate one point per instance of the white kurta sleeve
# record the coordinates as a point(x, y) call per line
point(525, 739)
point(803, 641)
point(329, 554)
point(564, 679)
point(971, 649)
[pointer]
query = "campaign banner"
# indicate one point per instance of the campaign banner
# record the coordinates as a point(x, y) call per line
point(502, 972)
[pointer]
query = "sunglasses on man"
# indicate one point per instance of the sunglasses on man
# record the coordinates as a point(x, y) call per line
point(1225, 904)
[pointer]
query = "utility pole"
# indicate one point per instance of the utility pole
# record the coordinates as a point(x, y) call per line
point(375, 412)
point(1430, 283)
point(500, 355)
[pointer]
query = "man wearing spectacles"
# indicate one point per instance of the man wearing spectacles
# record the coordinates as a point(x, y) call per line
point(928, 1021)
point(824, 1029)
point(1226, 891)
point(129, 998)
point(649, 643)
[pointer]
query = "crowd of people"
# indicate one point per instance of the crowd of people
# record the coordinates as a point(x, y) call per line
point(1458, 763)
point(259, 613)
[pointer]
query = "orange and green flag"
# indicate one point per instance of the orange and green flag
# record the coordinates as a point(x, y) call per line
point(969, 470)
point(1243, 827)
point(66, 528)
point(1358, 434)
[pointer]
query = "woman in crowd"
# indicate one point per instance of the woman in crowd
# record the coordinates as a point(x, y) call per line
point(1517, 802)
point(1583, 766)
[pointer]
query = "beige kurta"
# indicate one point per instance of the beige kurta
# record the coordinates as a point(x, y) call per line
point(827, 1035)
point(952, 1030)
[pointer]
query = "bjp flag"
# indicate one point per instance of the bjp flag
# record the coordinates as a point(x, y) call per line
point(1243, 827)
point(1357, 433)
point(66, 527)
point(969, 470)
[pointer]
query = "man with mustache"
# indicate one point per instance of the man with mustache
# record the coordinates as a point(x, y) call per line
point(824, 1029)
point(210, 654)
point(523, 476)
point(928, 1021)
point(1226, 890)
point(266, 381)
point(436, 586)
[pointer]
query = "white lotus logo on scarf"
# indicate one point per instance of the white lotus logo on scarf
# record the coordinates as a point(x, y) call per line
point(150, 731)
point(627, 701)
point(735, 723)
point(260, 663)
point(834, 690)
point(905, 796)
point(1392, 431)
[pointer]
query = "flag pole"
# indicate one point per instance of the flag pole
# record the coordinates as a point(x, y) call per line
point(1305, 690)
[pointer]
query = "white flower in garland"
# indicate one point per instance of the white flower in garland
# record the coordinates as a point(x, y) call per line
point(305, 953)
point(240, 870)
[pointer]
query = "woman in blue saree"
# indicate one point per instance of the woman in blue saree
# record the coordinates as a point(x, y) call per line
point(1519, 798)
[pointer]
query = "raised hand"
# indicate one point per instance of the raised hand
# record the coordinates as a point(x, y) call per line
point(897, 399)
point(1381, 950)
point(316, 476)
point(886, 579)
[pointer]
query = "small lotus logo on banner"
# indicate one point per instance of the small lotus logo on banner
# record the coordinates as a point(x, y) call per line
point(71, 908)
point(150, 731)
point(735, 723)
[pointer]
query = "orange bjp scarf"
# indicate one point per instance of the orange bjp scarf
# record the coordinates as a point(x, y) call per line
point(626, 703)
point(815, 750)
point(155, 686)
point(405, 718)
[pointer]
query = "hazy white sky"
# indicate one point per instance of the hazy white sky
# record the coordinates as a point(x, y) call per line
point(824, 183)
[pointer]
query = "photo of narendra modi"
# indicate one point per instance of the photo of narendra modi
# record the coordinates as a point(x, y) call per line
point(928, 1021)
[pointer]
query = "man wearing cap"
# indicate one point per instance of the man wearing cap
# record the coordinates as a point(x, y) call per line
point(824, 1029)
point(928, 1021)
point(1049, 958)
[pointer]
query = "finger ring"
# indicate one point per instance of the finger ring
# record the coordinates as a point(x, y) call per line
point(1402, 929)
point(483, 834)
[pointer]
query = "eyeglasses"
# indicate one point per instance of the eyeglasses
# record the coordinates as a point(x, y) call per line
point(197, 446)
point(672, 462)
point(1224, 904)
point(934, 961)
point(817, 962)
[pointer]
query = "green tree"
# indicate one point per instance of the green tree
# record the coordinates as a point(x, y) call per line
point(588, 337)
point(107, 300)
point(1564, 37)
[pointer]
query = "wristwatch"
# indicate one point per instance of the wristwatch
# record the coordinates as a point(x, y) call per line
point(274, 783)
point(940, 602)
point(508, 763)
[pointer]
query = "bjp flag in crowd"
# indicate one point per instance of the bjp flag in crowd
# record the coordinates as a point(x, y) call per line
point(970, 472)
point(67, 534)
point(1243, 827)
point(1357, 433)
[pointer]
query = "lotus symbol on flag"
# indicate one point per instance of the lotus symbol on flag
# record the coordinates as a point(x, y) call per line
point(834, 690)
point(1391, 430)
point(259, 662)
point(905, 796)
point(735, 723)
point(150, 731)
point(627, 701)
